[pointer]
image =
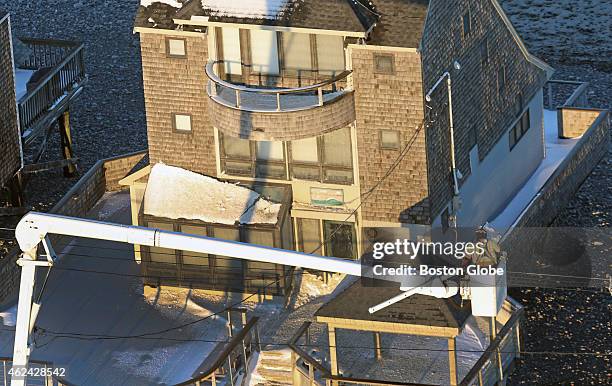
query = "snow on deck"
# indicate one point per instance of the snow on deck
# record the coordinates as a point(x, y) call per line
point(114, 305)
point(255, 9)
point(177, 193)
point(556, 151)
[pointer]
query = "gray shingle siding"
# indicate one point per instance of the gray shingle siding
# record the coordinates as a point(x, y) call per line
point(476, 102)
point(10, 157)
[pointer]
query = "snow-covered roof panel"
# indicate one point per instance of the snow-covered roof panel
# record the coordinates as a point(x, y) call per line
point(257, 9)
point(177, 193)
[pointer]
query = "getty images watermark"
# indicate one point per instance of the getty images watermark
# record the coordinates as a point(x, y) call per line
point(472, 253)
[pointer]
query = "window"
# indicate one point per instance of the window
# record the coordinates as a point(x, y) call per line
point(305, 159)
point(309, 235)
point(341, 240)
point(445, 220)
point(330, 54)
point(182, 122)
point(484, 52)
point(297, 56)
point(265, 238)
point(337, 148)
point(261, 159)
point(501, 79)
point(224, 262)
point(230, 50)
point(176, 48)
point(270, 151)
point(389, 139)
point(194, 258)
point(162, 255)
point(467, 23)
point(518, 131)
point(264, 52)
point(337, 157)
point(384, 64)
point(326, 158)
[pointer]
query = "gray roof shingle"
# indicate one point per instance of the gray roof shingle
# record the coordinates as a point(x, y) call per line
point(391, 22)
point(353, 303)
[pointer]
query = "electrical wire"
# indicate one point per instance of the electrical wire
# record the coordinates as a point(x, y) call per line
point(55, 336)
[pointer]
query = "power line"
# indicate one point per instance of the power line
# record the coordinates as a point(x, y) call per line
point(94, 337)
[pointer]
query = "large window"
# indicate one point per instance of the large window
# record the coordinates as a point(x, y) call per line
point(264, 52)
point(229, 50)
point(297, 55)
point(330, 54)
point(261, 159)
point(340, 239)
point(327, 158)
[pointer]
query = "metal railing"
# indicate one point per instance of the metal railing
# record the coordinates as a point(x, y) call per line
point(257, 99)
point(233, 361)
point(36, 367)
point(492, 365)
point(65, 63)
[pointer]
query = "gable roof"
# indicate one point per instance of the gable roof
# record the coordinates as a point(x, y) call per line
point(353, 303)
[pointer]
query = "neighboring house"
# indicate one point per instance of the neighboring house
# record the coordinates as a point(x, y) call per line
point(38, 80)
point(11, 160)
point(328, 97)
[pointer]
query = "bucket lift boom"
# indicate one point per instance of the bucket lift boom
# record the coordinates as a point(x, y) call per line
point(34, 229)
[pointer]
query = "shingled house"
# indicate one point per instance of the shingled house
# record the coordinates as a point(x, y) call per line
point(10, 156)
point(328, 97)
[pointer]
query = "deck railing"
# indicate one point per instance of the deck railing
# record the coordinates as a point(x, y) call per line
point(233, 361)
point(489, 369)
point(565, 93)
point(66, 73)
point(273, 99)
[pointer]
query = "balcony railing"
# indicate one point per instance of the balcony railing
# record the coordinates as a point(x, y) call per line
point(66, 74)
point(272, 99)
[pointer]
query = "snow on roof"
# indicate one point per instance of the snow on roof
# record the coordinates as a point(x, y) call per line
point(257, 9)
point(177, 193)
point(173, 3)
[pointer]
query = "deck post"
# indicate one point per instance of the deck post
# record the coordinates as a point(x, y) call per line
point(496, 360)
point(333, 355)
point(452, 362)
point(377, 346)
point(66, 142)
point(15, 189)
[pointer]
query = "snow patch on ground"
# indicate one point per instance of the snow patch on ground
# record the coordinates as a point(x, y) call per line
point(197, 197)
point(9, 316)
point(313, 286)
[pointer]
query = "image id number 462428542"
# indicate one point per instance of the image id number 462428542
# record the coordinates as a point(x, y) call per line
point(20, 372)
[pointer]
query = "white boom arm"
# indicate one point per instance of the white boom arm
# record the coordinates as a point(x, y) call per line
point(34, 228)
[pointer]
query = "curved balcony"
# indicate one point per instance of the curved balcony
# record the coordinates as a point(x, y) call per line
point(279, 113)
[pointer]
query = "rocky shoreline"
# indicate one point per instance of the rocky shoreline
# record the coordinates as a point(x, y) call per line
point(570, 35)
